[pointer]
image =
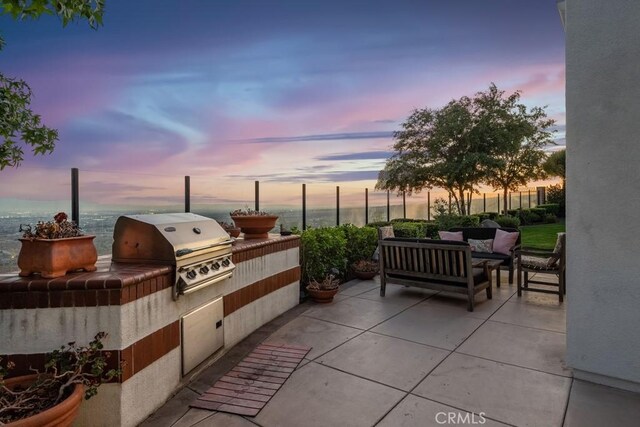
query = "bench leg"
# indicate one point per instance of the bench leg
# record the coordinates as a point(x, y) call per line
point(510, 274)
point(489, 292)
point(498, 277)
point(383, 285)
point(519, 283)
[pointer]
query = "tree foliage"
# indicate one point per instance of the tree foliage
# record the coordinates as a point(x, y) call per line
point(555, 165)
point(489, 138)
point(518, 135)
point(18, 123)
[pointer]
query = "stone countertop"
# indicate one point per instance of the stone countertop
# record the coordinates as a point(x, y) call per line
point(111, 275)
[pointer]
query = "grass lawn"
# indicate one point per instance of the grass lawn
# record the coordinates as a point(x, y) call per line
point(541, 236)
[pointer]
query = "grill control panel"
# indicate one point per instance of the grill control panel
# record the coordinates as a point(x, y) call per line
point(195, 276)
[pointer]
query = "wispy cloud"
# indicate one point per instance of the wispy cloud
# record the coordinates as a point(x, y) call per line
point(323, 137)
point(366, 155)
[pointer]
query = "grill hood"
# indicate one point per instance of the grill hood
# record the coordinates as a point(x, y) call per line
point(172, 238)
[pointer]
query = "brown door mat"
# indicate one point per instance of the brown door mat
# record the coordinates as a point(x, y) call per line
point(249, 386)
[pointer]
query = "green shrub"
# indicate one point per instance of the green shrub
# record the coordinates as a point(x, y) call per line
point(361, 242)
point(513, 212)
point(378, 224)
point(527, 217)
point(448, 221)
point(397, 220)
point(556, 195)
point(323, 249)
point(550, 218)
point(539, 211)
point(409, 229)
point(552, 208)
point(508, 221)
point(487, 215)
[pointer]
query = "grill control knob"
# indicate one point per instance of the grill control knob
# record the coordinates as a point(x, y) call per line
point(225, 263)
point(204, 270)
point(192, 274)
point(216, 265)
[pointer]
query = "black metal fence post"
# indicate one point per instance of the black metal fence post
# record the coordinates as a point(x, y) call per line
point(404, 205)
point(366, 206)
point(529, 198)
point(75, 195)
point(499, 204)
point(484, 202)
point(449, 203)
point(505, 205)
point(388, 206)
point(257, 195)
point(337, 205)
point(428, 205)
point(187, 194)
point(521, 200)
point(304, 207)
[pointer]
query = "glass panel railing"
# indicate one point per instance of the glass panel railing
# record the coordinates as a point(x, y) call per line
point(352, 203)
point(29, 195)
point(321, 205)
point(284, 200)
point(104, 196)
point(377, 206)
point(216, 197)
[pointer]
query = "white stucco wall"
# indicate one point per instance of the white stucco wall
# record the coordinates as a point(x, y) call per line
point(603, 190)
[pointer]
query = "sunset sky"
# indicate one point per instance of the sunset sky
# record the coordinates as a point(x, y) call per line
point(280, 91)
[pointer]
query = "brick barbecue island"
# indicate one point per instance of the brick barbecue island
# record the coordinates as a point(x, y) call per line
point(133, 303)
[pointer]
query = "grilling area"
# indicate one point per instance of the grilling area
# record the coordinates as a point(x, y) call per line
point(176, 294)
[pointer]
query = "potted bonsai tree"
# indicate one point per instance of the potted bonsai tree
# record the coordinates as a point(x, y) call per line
point(323, 291)
point(254, 224)
point(365, 269)
point(54, 248)
point(53, 396)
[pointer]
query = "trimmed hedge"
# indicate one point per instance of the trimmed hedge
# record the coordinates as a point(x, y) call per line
point(361, 242)
point(552, 208)
point(321, 250)
point(448, 221)
point(508, 221)
point(402, 227)
point(488, 215)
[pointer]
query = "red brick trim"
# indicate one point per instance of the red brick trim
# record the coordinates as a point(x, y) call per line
point(257, 290)
point(132, 359)
point(245, 250)
point(144, 352)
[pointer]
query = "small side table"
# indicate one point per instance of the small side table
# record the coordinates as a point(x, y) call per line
point(493, 264)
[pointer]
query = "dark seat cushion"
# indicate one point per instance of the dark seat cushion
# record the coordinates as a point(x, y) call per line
point(479, 277)
point(483, 233)
point(506, 259)
point(432, 241)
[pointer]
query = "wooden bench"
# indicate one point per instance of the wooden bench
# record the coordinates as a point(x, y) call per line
point(441, 265)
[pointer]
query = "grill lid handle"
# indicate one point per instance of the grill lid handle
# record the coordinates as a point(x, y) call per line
point(187, 251)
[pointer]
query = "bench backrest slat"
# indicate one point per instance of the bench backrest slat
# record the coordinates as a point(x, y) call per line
point(427, 260)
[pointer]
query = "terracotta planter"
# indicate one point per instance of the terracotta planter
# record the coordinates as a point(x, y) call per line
point(55, 257)
point(322, 296)
point(233, 232)
point(255, 226)
point(365, 275)
point(61, 415)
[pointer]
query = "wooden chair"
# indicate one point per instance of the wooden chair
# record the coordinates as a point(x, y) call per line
point(543, 262)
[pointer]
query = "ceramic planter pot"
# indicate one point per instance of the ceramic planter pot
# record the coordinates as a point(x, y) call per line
point(365, 275)
point(255, 226)
point(55, 257)
point(322, 296)
point(61, 415)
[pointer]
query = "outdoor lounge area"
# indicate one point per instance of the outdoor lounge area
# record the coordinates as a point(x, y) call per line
point(415, 358)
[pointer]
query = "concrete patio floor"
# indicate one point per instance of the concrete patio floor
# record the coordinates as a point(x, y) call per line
point(415, 358)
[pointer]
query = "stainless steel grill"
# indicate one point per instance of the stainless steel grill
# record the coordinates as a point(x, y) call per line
point(196, 245)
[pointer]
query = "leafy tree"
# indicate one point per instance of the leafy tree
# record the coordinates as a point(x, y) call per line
point(18, 123)
point(439, 148)
point(555, 165)
point(518, 137)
